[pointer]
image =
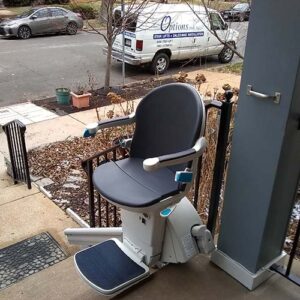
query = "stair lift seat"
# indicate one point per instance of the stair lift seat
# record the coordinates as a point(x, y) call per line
point(168, 120)
point(157, 218)
point(125, 182)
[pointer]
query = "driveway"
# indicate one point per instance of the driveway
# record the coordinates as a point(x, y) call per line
point(32, 69)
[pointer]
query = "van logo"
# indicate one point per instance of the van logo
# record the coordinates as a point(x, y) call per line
point(165, 23)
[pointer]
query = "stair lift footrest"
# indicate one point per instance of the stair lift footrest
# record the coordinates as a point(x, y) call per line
point(107, 267)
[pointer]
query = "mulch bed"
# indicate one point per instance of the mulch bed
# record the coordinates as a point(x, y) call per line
point(61, 162)
point(128, 92)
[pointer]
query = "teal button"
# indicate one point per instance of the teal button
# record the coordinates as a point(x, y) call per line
point(165, 212)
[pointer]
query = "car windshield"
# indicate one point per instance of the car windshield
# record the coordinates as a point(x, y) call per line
point(26, 14)
point(240, 7)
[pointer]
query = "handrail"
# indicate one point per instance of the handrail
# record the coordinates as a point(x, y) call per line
point(15, 133)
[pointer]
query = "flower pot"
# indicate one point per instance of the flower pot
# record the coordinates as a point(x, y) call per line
point(80, 101)
point(63, 96)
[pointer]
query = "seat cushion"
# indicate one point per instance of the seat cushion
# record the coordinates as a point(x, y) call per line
point(125, 182)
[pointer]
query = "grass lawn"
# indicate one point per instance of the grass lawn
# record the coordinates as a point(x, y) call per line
point(18, 10)
point(235, 68)
point(95, 23)
point(94, 4)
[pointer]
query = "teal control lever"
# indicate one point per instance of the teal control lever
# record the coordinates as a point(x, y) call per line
point(184, 176)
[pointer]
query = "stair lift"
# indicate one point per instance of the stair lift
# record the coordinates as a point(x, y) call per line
point(159, 224)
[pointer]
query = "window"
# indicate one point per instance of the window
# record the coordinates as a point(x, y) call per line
point(42, 13)
point(241, 7)
point(130, 20)
point(56, 12)
point(26, 14)
point(216, 22)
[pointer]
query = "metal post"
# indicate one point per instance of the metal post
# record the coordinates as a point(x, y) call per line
point(25, 160)
point(10, 148)
point(197, 183)
point(293, 251)
point(123, 42)
point(219, 168)
point(91, 193)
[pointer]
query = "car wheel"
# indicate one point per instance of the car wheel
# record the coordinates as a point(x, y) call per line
point(226, 55)
point(72, 28)
point(242, 18)
point(24, 32)
point(160, 63)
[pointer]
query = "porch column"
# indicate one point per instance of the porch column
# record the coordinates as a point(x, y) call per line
point(264, 166)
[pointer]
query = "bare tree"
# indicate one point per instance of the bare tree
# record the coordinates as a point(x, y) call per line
point(212, 28)
point(103, 10)
point(116, 22)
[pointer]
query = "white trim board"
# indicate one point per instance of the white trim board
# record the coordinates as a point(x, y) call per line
point(240, 273)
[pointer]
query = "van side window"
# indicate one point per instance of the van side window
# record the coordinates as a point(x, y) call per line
point(216, 22)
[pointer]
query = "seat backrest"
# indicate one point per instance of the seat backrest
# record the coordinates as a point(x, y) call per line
point(169, 119)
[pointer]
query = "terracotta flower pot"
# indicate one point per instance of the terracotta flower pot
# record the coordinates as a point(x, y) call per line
point(80, 101)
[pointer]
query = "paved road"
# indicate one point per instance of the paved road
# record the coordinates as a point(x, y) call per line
point(32, 69)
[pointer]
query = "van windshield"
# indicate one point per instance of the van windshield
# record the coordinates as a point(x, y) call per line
point(129, 22)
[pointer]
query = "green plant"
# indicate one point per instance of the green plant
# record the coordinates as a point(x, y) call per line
point(81, 89)
point(87, 11)
point(15, 3)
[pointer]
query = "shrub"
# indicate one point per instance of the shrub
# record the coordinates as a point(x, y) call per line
point(17, 2)
point(33, 2)
point(87, 11)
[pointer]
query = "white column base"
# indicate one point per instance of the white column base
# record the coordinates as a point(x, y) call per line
point(240, 273)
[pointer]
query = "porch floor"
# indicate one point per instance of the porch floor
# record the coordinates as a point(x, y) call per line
point(198, 279)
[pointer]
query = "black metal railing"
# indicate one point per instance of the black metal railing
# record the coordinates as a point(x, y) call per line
point(102, 213)
point(15, 133)
point(225, 109)
point(294, 253)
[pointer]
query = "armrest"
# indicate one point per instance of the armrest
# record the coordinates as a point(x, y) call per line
point(154, 163)
point(91, 129)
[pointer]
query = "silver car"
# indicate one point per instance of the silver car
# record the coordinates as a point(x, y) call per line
point(42, 21)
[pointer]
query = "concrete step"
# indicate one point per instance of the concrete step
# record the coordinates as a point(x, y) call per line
point(16, 192)
point(25, 213)
point(5, 180)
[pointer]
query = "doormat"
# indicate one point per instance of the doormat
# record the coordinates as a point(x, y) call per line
point(28, 257)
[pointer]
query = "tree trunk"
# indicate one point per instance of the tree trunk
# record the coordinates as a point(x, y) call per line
point(108, 66)
point(110, 40)
point(104, 11)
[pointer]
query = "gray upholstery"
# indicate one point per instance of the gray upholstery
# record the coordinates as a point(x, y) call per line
point(168, 120)
point(125, 182)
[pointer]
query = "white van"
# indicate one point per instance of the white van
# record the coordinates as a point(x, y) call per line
point(160, 33)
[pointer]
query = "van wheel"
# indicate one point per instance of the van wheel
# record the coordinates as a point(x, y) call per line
point(242, 18)
point(225, 55)
point(160, 63)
